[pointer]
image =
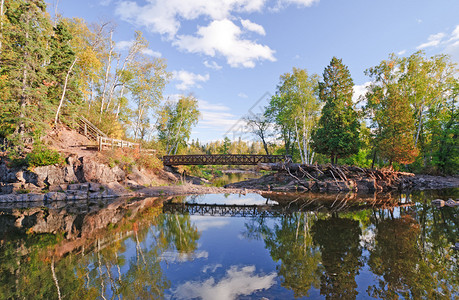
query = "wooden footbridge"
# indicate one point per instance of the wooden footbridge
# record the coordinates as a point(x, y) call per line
point(222, 159)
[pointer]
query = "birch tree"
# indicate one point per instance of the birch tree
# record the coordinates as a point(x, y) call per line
point(175, 122)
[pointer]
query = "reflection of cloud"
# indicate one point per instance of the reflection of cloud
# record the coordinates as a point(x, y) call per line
point(172, 256)
point(203, 222)
point(211, 268)
point(237, 282)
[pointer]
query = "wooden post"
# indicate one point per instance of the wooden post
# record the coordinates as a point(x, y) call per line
point(99, 141)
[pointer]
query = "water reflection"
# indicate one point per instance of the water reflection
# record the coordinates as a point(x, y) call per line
point(327, 246)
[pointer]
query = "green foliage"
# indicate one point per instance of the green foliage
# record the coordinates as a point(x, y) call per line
point(225, 146)
point(337, 134)
point(43, 156)
point(176, 120)
point(295, 110)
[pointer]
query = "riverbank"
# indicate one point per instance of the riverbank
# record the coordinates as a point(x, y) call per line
point(335, 179)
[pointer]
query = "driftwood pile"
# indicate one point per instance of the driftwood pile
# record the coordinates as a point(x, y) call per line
point(334, 178)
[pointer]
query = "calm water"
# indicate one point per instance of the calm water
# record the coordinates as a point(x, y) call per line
point(232, 247)
point(235, 176)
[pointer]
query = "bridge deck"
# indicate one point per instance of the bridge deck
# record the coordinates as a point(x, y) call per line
point(222, 159)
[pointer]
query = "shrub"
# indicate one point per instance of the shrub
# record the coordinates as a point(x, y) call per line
point(126, 158)
point(43, 156)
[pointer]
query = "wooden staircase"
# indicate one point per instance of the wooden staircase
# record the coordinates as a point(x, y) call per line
point(89, 130)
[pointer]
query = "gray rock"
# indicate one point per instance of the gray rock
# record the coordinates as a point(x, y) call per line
point(55, 196)
point(36, 197)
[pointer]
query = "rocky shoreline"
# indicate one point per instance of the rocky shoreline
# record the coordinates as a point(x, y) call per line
point(85, 178)
point(334, 179)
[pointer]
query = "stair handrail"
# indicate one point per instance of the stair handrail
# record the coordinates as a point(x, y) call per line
point(92, 127)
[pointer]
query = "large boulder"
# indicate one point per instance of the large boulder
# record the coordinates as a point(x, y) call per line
point(100, 173)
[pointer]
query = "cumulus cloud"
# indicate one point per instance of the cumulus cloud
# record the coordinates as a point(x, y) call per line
point(223, 37)
point(162, 16)
point(213, 18)
point(359, 90)
point(212, 65)
point(237, 282)
point(188, 79)
point(125, 45)
point(250, 26)
point(432, 41)
point(448, 43)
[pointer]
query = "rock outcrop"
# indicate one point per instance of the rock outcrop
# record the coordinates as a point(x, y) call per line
point(80, 178)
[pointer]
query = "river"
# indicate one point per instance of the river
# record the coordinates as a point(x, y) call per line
point(232, 247)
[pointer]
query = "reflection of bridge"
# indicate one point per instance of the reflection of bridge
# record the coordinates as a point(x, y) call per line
point(234, 210)
point(222, 159)
point(227, 210)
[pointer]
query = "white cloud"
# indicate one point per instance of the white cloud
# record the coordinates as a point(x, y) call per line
point(455, 34)
point(212, 65)
point(250, 26)
point(105, 2)
point(162, 16)
point(242, 95)
point(305, 3)
point(223, 37)
point(445, 43)
point(188, 79)
point(237, 282)
point(216, 34)
point(359, 90)
point(152, 53)
point(205, 105)
point(125, 45)
point(401, 52)
point(432, 41)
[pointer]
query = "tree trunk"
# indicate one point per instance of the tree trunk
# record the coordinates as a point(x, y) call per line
point(107, 73)
point(63, 91)
point(1, 23)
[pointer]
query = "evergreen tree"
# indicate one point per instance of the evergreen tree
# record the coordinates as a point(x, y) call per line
point(64, 84)
point(23, 60)
point(337, 134)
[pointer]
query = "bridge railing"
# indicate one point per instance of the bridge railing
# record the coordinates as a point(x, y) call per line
point(222, 159)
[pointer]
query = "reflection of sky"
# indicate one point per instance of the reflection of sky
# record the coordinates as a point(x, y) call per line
point(204, 223)
point(175, 256)
point(237, 281)
point(236, 199)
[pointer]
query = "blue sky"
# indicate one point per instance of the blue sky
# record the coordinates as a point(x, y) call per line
point(230, 53)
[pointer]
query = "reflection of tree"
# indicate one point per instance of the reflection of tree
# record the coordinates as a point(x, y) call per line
point(290, 242)
point(26, 271)
point(179, 231)
point(339, 241)
point(409, 269)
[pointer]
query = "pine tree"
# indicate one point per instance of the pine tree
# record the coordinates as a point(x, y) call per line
point(23, 61)
point(64, 84)
point(337, 134)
